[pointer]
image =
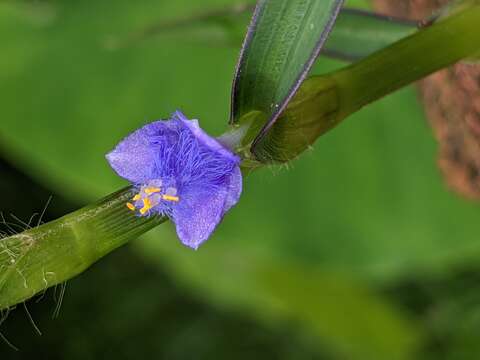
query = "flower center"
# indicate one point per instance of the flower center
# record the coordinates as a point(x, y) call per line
point(152, 194)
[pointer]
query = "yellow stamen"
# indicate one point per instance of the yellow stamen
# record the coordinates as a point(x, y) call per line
point(170, 198)
point(147, 205)
point(130, 206)
point(151, 190)
point(137, 197)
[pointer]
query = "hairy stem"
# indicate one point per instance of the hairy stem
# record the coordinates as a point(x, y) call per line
point(36, 259)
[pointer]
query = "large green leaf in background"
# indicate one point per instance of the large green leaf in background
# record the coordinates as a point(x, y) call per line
point(365, 205)
point(356, 34)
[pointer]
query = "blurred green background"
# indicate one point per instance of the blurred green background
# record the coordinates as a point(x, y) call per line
point(355, 251)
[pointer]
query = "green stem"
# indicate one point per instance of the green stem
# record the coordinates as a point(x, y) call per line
point(36, 259)
point(324, 101)
point(408, 60)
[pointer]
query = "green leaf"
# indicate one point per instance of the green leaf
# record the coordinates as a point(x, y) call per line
point(342, 311)
point(283, 40)
point(322, 102)
point(63, 88)
point(359, 33)
point(356, 34)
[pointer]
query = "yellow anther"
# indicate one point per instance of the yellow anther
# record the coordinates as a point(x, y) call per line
point(137, 197)
point(147, 205)
point(170, 198)
point(152, 190)
point(130, 206)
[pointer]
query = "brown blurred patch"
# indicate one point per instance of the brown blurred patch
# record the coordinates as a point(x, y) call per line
point(451, 100)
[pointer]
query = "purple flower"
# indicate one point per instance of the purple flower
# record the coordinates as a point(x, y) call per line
point(181, 172)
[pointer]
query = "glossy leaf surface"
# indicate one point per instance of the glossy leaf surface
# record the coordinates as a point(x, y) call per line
point(282, 42)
